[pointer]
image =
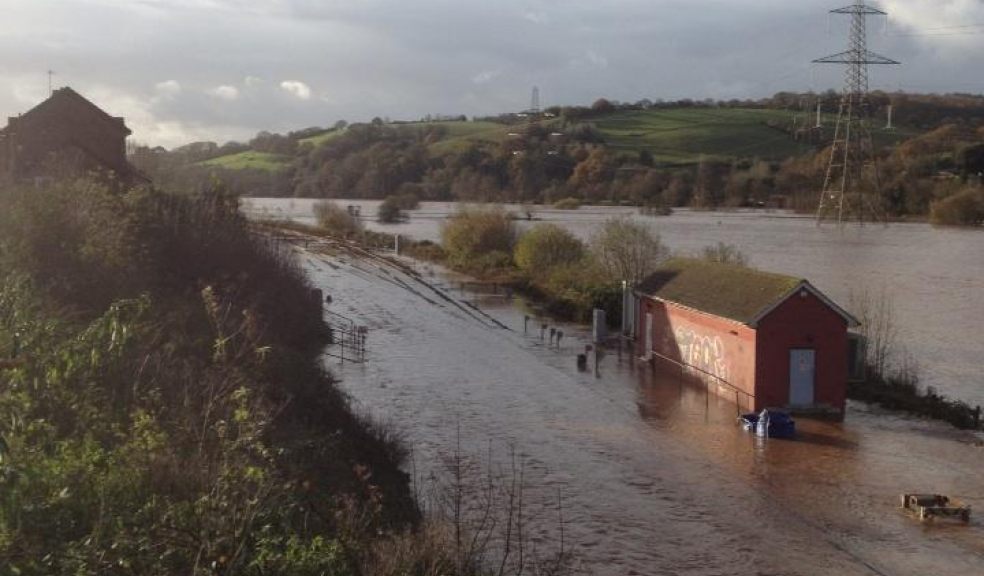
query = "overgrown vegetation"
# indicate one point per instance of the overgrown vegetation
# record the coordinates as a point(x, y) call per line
point(393, 207)
point(337, 220)
point(162, 406)
point(555, 267)
point(725, 254)
point(964, 208)
point(567, 204)
point(480, 240)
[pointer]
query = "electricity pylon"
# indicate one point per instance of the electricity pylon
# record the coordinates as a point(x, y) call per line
point(850, 187)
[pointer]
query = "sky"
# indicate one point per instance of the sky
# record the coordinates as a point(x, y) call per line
point(219, 70)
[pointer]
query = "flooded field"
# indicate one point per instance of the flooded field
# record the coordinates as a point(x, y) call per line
point(655, 476)
point(935, 277)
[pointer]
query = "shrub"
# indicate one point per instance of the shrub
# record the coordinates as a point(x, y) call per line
point(390, 211)
point(337, 220)
point(567, 204)
point(965, 208)
point(475, 232)
point(424, 250)
point(168, 369)
point(547, 246)
point(725, 254)
point(574, 289)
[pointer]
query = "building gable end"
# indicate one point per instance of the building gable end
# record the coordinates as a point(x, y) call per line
point(851, 321)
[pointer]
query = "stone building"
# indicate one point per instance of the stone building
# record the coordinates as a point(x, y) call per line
point(66, 136)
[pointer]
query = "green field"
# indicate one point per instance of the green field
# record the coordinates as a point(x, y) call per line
point(672, 136)
point(319, 139)
point(683, 135)
point(461, 134)
point(250, 160)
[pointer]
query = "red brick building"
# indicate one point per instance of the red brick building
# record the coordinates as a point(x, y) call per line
point(762, 340)
point(65, 136)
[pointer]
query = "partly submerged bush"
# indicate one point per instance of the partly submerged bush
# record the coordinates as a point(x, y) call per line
point(546, 246)
point(471, 235)
point(337, 220)
point(965, 208)
point(568, 203)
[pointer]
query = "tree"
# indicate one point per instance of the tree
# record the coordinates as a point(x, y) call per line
point(545, 247)
point(628, 250)
point(602, 106)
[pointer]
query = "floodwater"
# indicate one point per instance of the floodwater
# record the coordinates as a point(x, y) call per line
point(654, 475)
point(934, 277)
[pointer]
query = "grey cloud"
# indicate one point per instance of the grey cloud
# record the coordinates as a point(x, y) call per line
point(404, 59)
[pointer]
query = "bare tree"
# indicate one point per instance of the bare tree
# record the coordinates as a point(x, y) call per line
point(628, 250)
point(876, 313)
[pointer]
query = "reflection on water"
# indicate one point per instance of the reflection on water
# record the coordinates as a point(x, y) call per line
point(656, 476)
point(934, 276)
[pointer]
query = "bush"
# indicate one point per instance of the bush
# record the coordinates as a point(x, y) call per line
point(389, 211)
point(473, 233)
point(965, 208)
point(168, 375)
point(725, 254)
point(337, 220)
point(567, 204)
point(424, 250)
point(573, 290)
point(547, 246)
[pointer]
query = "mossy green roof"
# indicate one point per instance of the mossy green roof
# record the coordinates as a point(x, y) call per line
point(726, 290)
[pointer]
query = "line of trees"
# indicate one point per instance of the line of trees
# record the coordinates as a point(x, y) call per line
point(377, 160)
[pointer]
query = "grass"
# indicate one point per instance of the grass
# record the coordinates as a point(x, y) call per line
point(461, 134)
point(250, 160)
point(682, 135)
point(319, 139)
point(672, 136)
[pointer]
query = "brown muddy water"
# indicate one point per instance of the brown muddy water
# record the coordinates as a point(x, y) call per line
point(933, 276)
point(655, 476)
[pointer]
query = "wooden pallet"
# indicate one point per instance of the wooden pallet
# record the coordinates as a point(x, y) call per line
point(929, 506)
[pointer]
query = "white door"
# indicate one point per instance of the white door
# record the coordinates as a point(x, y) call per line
point(649, 335)
point(802, 370)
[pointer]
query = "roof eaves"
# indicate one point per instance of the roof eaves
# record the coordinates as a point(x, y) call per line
point(692, 309)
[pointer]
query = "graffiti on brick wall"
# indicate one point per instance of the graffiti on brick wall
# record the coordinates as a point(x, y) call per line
point(706, 353)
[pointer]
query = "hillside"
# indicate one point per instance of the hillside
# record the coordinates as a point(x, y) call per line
point(682, 135)
point(676, 136)
point(251, 160)
point(686, 153)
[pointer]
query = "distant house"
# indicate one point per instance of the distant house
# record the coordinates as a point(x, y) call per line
point(65, 136)
point(761, 340)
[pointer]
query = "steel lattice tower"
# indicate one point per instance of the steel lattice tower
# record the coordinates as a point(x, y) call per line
point(535, 102)
point(846, 194)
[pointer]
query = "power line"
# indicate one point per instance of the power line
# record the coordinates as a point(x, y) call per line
point(844, 193)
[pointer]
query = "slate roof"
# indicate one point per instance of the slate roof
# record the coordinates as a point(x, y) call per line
point(66, 94)
point(736, 292)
